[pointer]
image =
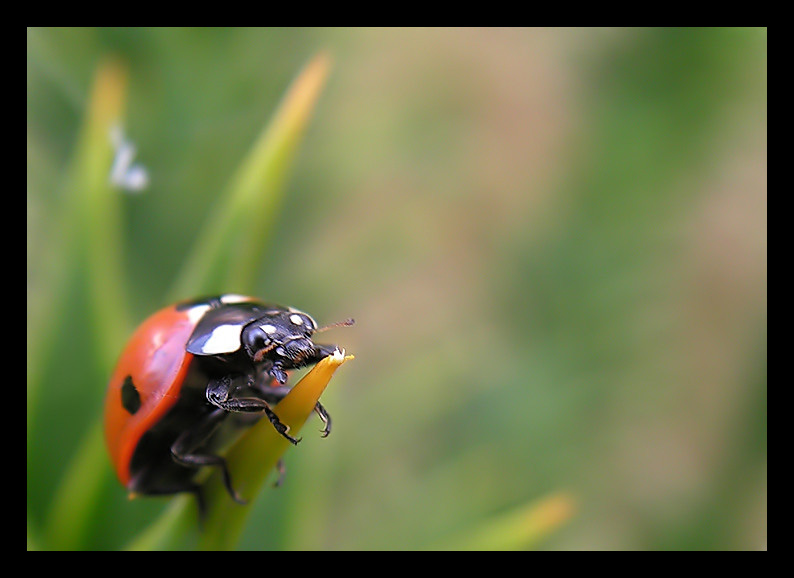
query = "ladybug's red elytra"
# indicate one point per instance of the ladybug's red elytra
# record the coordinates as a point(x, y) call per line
point(191, 376)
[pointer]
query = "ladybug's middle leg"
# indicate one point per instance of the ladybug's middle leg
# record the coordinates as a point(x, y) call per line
point(275, 393)
point(220, 393)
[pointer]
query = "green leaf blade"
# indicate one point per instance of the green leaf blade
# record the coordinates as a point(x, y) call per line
point(226, 257)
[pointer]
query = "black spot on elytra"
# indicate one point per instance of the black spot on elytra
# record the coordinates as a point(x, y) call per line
point(130, 398)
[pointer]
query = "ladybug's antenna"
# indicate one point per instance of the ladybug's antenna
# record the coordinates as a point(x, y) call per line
point(345, 323)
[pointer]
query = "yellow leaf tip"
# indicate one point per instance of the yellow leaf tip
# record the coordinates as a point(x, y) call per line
point(338, 357)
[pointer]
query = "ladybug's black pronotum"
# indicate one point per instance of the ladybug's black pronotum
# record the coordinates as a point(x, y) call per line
point(191, 376)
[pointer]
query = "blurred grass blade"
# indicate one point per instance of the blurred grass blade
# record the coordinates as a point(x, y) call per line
point(101, 216)
point(226, 254)
point(254, 456)
point(94, 215)
point(76, 496)
point(519, 529)
point(167, 531)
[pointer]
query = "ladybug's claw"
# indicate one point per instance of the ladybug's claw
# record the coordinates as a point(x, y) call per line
point(326, 419)
point(283, 429)
point(280, 427)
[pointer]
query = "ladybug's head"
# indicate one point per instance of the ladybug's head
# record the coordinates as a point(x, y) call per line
point(282, 339)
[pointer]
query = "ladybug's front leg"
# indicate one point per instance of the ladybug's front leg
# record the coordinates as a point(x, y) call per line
point(220, 393)
point(274, 394)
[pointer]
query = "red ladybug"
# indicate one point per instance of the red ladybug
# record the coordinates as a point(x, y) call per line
point(191, 376)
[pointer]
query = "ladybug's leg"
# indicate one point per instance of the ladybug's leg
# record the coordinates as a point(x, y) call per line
point(220, 394)
point(325, 417)
point(185, 451)
point(322, 351)
point(274, 394)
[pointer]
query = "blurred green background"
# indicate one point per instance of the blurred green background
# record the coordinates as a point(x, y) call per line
point(553, 241)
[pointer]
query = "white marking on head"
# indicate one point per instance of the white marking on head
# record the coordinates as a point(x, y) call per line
point(269, 329)
point(296, 319)
point(304, 317)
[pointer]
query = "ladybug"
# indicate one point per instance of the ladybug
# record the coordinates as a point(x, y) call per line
point(193, 375)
